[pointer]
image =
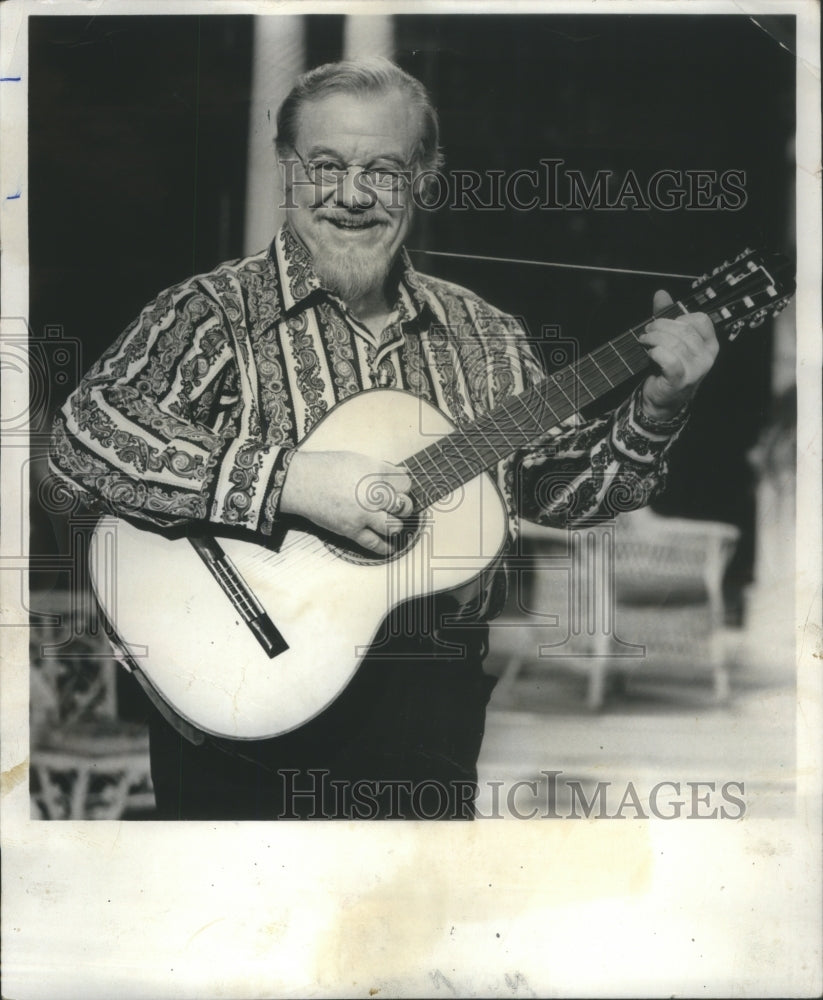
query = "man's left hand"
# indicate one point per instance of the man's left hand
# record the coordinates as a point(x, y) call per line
point(684, 349)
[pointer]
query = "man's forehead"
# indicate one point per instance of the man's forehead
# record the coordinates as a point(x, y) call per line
point(385, 122)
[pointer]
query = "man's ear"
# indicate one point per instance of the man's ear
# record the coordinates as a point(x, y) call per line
point(280, 158)
point(285, 170)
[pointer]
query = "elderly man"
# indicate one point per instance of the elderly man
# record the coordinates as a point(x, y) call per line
point(194, 416)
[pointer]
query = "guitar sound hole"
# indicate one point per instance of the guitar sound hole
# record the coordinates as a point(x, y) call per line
point(354, 554)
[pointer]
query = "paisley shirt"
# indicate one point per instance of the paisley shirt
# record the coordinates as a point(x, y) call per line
point(193, 413)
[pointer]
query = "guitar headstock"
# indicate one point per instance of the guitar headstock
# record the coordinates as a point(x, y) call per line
point(743, 292)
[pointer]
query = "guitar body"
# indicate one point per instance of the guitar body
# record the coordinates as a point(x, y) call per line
point(176, 625)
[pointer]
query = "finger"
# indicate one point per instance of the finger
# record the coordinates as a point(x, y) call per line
point(394, 526)
point(657, 327)
point(704, 327)
point(697, 334)
point(662, 300)
point(402, 505)
point(384, 525)
point(373, 543)
point(675, 326)
point(670, 363)
point(397, 478)
point(676, 337)
point(381, 491)
point(699, 322)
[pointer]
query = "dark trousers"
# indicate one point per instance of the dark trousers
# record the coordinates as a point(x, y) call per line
point(401, 742)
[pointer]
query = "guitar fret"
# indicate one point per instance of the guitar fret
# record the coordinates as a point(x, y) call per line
point(619, 356)
point(470, 443)
point(580, 384)
point(561, 389)
point(491, 450)
point(593, 380)
point(521, 421)
point(593, 360)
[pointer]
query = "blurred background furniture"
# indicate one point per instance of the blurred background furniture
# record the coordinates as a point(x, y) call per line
point(86, 761)
point(640, 595)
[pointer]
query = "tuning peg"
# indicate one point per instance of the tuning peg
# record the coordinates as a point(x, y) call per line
point(758, 318)
point(735, 329)
point(724, 266)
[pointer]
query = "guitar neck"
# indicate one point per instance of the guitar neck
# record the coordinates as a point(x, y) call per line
point(523, 420)
point(738, 294)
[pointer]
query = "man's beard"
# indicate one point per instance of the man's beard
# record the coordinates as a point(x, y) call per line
point(352, 273)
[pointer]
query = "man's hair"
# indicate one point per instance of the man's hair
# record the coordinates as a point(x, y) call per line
point(362, 76)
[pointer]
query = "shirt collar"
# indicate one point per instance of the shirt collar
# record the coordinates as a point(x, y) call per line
point(297, 280)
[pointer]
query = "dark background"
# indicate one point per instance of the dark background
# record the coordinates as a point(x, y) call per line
point(138, 131)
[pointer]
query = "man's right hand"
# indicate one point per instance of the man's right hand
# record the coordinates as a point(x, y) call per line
point(349, 494)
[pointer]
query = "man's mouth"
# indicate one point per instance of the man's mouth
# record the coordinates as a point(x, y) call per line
point(350, 224)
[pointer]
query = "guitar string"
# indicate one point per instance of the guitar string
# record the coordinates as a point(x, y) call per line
point(619, 368)
point(630, 342)
point(547, 385)
point(498, 418)
point(324, 553)
point(504, 424)
point(556, 264)
point(584, 372)
point(310, 546)
point(413, 457)
point(502, 421)
point(615, 367)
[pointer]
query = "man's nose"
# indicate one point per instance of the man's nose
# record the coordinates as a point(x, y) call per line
point(352, 190)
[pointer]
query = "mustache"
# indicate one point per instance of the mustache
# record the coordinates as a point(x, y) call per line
point(358, 215)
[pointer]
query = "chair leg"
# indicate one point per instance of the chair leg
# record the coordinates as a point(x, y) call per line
point(597, 685)
point(505, 686)
point(721, 685)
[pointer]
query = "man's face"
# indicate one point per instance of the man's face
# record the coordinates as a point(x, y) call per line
point(352, 230)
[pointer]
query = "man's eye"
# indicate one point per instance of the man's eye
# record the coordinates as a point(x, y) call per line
point(328, 168)
point(388, 177)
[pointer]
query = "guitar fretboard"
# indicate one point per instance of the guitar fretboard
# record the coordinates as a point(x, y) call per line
point(737, 294)
point(522, 420)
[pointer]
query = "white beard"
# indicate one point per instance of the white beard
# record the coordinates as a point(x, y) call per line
point(353, 273)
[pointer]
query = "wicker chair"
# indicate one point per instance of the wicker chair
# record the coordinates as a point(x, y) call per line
point(86, 762)
point(638, 595)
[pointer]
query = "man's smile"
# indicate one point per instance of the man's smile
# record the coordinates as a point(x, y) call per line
point(351, 223)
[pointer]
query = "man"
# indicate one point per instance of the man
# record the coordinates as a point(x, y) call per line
point(193, 419)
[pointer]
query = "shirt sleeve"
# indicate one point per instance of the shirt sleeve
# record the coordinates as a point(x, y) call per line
point(587, 469)
point(163, 428)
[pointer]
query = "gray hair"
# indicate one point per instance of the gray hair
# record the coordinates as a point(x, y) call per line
point(363, 76)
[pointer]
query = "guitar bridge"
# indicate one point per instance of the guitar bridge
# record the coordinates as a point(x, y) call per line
point(241, 596)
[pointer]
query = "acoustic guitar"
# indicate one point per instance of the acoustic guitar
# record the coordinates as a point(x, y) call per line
point(249, 641)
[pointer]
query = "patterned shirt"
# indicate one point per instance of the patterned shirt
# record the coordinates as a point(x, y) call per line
point(193, 414)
